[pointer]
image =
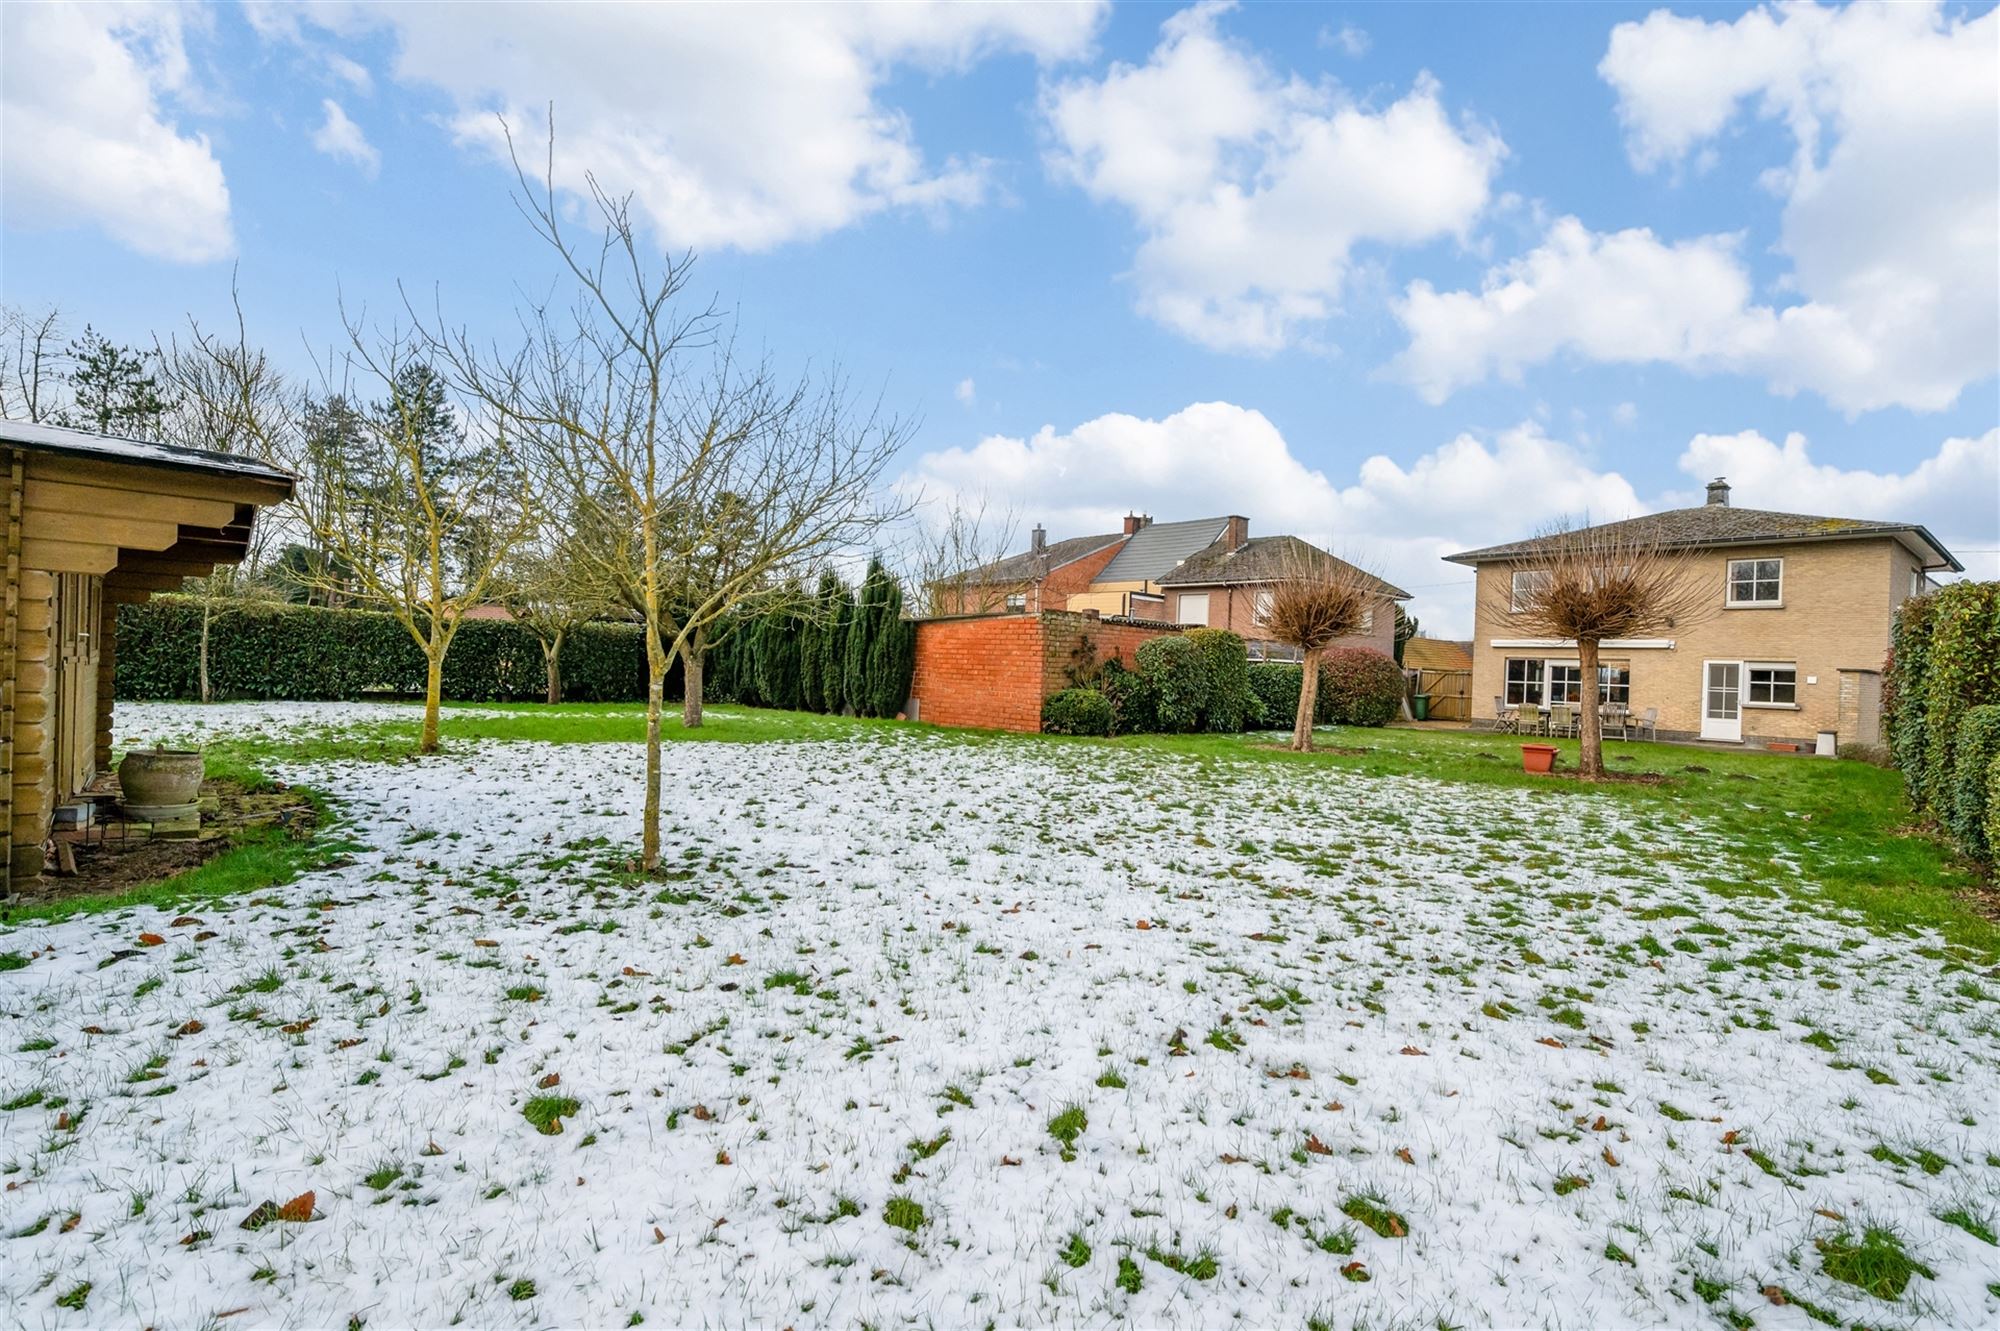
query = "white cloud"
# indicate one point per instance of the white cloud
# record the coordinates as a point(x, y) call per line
point(729, 131)
point(1253, 189)
point(342, 139)
point(89, 138)
point(966, 392)
point(351, 72)
point(1401, 517)
point(1346, 38)
point(1891, 218)
point(1625, 413)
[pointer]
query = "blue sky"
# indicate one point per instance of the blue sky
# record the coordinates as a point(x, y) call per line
point(1403, 279)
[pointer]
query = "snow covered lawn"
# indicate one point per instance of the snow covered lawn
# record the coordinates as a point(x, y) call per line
point(928, 1032)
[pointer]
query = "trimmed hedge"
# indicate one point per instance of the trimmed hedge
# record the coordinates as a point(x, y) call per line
point(308, 653)
point(1231, 704)
point(1977, 759)
point(1076, 712)
point(1992, 824)
point(1276, 684)
point(1359, 686)
point(1176, 676)
point(1944, 664)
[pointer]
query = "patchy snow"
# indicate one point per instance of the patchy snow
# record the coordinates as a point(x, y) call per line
point(1579, 1078)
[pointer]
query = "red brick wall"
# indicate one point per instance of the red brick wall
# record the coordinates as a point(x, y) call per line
point(993, 671)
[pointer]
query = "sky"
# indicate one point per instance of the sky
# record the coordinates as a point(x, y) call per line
point(1401, 279)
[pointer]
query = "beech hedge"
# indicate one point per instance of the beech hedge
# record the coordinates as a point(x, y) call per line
point(308, 653)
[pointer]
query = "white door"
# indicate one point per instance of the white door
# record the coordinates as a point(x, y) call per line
point(1722, 701)
point(1194, 608)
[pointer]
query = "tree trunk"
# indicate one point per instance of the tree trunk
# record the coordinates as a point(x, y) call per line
point(1590, 762)
point(656, 682)
point(1302, 725)
point(552, 663)
point(207, 615)
point(693, 658)
point(433, 696)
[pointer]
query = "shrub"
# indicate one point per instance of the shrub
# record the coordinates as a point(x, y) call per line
point(1360, 687)
point(1276, 684)
point(1903, 693)
point(1231, 704)
point(1963, 672)
point(1176, 676)
point(1973, 767)
point(1076, 712)
point(1132, 711)
point(1992, 824)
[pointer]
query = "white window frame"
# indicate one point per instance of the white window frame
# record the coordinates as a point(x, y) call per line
point(1514, 586)
point(1368, 620)
point(1751, 669)
point(1017, 602)
point(1755, 602)
point(1260, 606)
point(1531, 688)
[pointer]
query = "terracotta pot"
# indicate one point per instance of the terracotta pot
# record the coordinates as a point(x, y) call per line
point(152, 778)
point(1538, 757)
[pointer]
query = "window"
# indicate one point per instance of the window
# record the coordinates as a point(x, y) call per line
point(1525, 585)
point(1368, 620)
point(1524, 681)
point(1614, 683)
point(1193, 608)
point(1566, 683)
point(1262, 607)
point(1017, 601)
point(1756, 581)
point(1772, 686)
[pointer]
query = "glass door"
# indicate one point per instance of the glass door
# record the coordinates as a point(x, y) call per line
point(1722, 701)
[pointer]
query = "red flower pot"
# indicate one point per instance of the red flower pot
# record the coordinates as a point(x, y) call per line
point(1538, 757)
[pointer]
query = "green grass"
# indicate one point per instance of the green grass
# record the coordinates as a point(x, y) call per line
point(904, 1213)
point(545, 1111)
point(1875, 1262)
point(1067, 1126)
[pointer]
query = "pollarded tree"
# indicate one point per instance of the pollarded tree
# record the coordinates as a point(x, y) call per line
point(1591, 585)
point(1315, 601)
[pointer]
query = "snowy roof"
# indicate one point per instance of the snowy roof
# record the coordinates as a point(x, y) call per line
point(138, 452)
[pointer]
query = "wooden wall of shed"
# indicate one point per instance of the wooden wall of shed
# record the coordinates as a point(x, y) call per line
point(34, 733)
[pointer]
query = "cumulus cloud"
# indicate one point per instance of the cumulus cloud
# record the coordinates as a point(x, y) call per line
point(1402, 516)
point(1891, 218)
point(966, 392)
point(86, 93)
point(342, 139)
point(1253, 189)
point(729, 131)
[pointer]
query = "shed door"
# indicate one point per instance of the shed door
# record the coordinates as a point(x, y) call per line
point(79, 602)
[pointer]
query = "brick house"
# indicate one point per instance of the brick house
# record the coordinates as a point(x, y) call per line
point(1795, 645)
point(1041, 577)
point(1228, 586)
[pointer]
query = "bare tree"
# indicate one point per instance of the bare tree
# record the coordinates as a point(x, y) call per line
point(1593, 585)
point(1315, 601)
point(707, 478)
point(548, 587)
point(32, 378)
point(411, 515)
point(950, 553)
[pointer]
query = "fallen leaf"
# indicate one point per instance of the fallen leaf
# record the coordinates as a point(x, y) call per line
point(1601, 1125)
point(189, 1028)
point(299, 1209)
point(735, 959)
point(1403, 1154)
point(485, 942)
point(1552, 1042)
point(659, 1235)
point(1335, 1106)
point(1776, 1295)
point(182, 922)
point(553, 1079)
point(1830, 1215)
point(1609, 1158)
point(74, 1219)
point(1010, 1161)
point(150, 940)
point(1413, 1051)
point(701, 1113)
point(1317, 1147)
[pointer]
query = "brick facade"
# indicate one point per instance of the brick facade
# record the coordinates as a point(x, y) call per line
point(993, 671)
point(1234, 607)
point(1062, 582)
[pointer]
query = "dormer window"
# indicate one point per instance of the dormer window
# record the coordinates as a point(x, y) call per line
point(1757, 582)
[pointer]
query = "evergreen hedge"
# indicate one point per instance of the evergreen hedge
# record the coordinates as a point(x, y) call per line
point(1359, 686)
point(1974, 764)
point(308, 653)
point(1231, 705)
point(1943, 667)
point(1076, 712)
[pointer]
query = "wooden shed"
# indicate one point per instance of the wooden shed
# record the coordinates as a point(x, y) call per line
point(93, 521)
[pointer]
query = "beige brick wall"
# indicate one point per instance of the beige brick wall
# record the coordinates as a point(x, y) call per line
point(1838, 599)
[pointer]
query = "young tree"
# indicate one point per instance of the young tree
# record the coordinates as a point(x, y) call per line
point(113, 390)
point(1592, 584)
point(711, 482)
point(1315, 601)
point(31, 380)
point(407, 507)
point(952, 546)
point(546, 585)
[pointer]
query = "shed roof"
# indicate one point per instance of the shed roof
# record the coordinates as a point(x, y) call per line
point(1725, 524)
point(1158, 548)
point(1260, 559)
point(1436, 654)
point(138, 452)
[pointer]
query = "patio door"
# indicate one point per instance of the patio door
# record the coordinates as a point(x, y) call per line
point(1722, 701)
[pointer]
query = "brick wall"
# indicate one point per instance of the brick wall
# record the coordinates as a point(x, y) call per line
point(993, 671)
point(1234, 607)
point(1062, 581)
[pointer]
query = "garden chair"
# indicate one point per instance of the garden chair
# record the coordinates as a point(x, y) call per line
point(1527, 719)
point(1505, 720)
point(1562, 721)
point(1649, 723)
point(1615, 716)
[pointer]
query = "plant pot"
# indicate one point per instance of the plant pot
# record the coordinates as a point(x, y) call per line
point(1538, 757)
point(160, 778)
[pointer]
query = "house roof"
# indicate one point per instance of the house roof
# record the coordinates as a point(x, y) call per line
point(1022, 567)
point(1158, 548)
point(1436, 654)
point(1260, 559)
point(1724, 524)
point(138, 452)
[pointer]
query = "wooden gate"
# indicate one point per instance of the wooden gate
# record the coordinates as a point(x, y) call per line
point(79, 604)
point(1451, 693)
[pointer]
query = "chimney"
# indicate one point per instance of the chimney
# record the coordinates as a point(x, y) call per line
point(1237, 534)
point(1038, 541)
point(1718, 491)
point(1134, 521)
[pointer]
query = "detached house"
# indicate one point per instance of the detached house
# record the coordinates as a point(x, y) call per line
point(1794, 647)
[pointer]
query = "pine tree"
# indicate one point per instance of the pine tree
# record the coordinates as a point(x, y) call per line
point(112, 391)
point(833, 653)
point(857, 679)
point(891, 652)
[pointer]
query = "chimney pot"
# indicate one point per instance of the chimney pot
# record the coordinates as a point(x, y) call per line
point(1718, 491)
point(1133, 522)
